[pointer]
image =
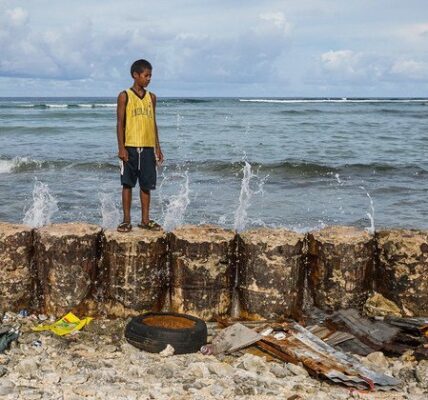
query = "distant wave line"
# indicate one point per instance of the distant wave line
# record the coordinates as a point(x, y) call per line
point(59, 106)
point(343, 100)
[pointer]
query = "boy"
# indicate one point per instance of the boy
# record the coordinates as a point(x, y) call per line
point(138, 142)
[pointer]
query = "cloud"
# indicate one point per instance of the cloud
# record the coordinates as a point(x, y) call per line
point(79, 51)
point(17, 16)
point(410, 69)
point(353, 66)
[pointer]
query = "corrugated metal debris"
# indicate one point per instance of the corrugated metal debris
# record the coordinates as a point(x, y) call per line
point(321, 359)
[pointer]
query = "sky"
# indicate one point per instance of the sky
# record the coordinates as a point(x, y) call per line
point(200, 48)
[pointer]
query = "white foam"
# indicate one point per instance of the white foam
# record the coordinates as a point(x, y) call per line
point(370, 215)
point(177, 206)
point(109, 211)
point(56, 105)
point(6, 166)
point(43, 207)
point(85, 105)
point(241, 215)
point(105, 105)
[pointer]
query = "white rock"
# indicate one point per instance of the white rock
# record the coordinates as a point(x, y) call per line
point(27, 368)
point(253, 363)
point(167, 351)
point(279, 371)
point(216, 390)
point(221, 369)
point(297, 370)
point(198, 370)
point(52, 378)
point(6, 387)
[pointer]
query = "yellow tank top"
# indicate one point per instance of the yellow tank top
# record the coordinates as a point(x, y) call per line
point(140, 121)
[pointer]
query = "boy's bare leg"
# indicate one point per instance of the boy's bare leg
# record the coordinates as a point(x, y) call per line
point(145, 205)
point(126, 203)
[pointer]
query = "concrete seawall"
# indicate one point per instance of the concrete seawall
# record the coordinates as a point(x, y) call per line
point(82, 268)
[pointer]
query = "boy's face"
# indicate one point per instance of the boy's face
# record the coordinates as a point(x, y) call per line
point(143, 78)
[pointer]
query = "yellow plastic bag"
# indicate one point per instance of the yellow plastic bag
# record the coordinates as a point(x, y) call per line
point(67, 324)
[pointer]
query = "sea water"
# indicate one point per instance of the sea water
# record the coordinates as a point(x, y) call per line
point(310, 156)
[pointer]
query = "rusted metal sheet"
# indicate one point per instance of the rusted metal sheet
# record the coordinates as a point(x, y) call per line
point(414, 325)
point(392, 335)
point(321, 359)
point(372, 333)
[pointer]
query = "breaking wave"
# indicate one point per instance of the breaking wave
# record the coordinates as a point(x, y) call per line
point(302, 168)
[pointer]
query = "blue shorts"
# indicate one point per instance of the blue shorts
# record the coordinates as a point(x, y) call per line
point(141, 166)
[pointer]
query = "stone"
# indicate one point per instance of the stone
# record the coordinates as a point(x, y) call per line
point(198, 370)
point(279, 370)
point(270, 273)
point(16, 274)
point(66, 257)
point(52, 378)
point(402, 271)
point(202, 270)
point(134, 271)
point(167, 351)
point(7, 387)
point(221, 369)
point(3, 371)
point(378, 359)
point(341, 262)
point(297, 370)
point(378, 306)
point(28, 368)
point(253, 363)
point(421, 372)
point(216, 390)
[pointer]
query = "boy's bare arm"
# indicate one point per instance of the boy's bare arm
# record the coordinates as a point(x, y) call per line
point(159, 154)
point(120, 126)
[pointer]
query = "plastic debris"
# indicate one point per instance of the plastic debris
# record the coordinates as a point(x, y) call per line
point(280, 336)
point(7, 336)
point(266, 332)
point(66, 325)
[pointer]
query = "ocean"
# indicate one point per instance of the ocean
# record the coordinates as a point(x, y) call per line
point(297, 163)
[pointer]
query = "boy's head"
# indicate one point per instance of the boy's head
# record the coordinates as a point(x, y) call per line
point(141, 72)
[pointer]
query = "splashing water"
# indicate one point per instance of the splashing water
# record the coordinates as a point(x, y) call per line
point(109, 212)
point(177, 206)
point(43, 207)
point(370, 215)
point(241, 215)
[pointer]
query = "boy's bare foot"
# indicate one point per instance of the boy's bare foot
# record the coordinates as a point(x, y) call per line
point(151, 225)
point(124, 227)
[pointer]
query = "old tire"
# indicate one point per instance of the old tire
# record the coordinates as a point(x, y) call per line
point(187, 337)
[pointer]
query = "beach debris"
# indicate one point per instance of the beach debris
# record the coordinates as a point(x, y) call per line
point(69, 324)
point(7, 335)
point(231, 339)
point(321, 359)
point(393, 335)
